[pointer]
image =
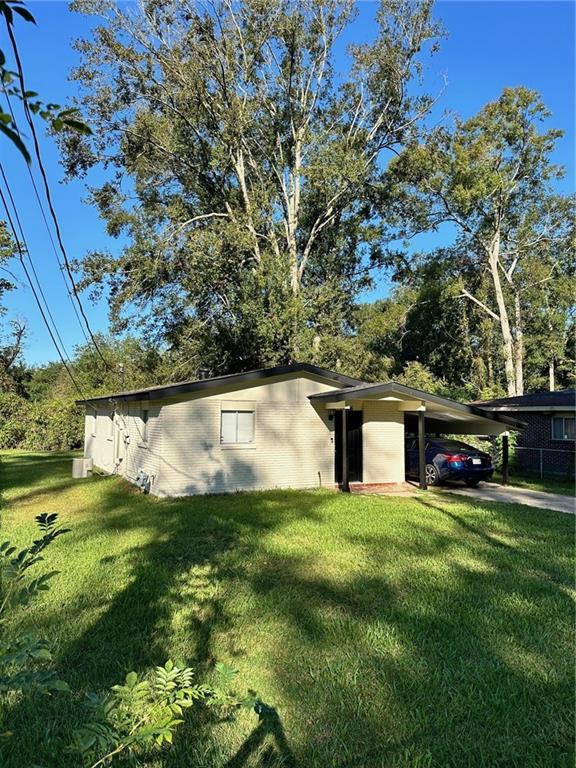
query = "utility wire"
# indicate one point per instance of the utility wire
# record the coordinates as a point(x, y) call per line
point(48, 230)
point(35, 293)
point(47, 191)
point(27, 249)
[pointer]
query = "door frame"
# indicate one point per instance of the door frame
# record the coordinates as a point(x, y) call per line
point(354, 445)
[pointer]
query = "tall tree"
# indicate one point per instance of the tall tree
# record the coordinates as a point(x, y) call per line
point(492, 178)
point(240, 161)
point(13, 331)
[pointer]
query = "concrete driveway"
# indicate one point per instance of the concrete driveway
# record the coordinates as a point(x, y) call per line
point(511, 495)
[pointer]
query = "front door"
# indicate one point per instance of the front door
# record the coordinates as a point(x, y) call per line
point(354, 445)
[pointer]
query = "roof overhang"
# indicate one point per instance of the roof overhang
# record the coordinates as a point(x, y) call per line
point(442, 414)
point(529, 408)
point(232, 380)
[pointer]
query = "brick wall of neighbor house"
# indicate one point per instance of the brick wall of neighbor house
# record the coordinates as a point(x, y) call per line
point(538, 434)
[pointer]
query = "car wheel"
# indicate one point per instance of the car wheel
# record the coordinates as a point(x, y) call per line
point(471, 483)
point(432, 476)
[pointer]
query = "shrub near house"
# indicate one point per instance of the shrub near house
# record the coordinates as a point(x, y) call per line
point(43, 425)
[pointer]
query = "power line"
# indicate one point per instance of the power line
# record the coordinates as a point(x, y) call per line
point(38, 302)
point(47, 190)
point(47, 226)
point(27, 249)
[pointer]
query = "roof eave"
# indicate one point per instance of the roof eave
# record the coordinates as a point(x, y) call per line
point(417, 394)
point(164, 391)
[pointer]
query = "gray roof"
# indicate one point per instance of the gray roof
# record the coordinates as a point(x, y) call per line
point(197, 385)
point(565, 397)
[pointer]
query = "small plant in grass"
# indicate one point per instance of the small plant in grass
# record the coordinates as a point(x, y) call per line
point(21, 653)
point(133, 718)
point(142, 714)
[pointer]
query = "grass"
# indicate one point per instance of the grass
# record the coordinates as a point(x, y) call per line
point(386, 632)
point(561, 485)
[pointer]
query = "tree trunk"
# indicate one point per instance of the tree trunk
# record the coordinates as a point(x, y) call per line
point(519, 345)
point(507, 340)
point(551, 375)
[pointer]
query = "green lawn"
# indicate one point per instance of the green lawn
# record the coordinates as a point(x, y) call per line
point(561, 485)
point(413, 632)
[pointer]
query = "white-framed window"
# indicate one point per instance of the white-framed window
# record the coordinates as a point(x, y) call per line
point(563, 428)
point(144, 416)
point(236, 427)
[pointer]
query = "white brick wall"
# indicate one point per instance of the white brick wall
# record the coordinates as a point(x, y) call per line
point(383, 442)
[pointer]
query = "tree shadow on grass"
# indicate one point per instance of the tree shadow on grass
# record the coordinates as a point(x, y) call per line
point(187, 549)
point(410, 637)
point(35, 472)
point(455, 654)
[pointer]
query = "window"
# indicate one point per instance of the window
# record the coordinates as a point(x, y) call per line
point(144, 427)
point(236, 427)
point(563, 428)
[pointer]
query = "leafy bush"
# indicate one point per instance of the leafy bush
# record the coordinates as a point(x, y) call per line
point(45, 425)
point(143, 713)
point(15, 420)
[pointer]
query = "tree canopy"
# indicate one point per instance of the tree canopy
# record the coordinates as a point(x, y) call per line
point(241, 161)
point(491, 177)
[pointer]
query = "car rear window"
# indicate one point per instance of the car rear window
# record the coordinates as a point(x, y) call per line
point(454, 445)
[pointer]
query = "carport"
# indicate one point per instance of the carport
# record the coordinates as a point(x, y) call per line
point(371, 420)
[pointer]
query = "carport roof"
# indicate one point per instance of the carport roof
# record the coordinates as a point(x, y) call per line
point(439, 406)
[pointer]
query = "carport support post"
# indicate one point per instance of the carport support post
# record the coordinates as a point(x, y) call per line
point(422, 446)
point(505, 456)
point(345, 482)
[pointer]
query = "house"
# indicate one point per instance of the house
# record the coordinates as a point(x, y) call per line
point(292, 426)
point(547, 444)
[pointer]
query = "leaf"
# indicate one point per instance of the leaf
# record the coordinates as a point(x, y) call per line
point(78, 126)
point(131, 679)
point(15, 139)
point(60, 685)
point(24, 13)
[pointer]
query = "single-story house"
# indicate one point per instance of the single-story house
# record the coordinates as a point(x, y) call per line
point(547, 444)
point(291, 426)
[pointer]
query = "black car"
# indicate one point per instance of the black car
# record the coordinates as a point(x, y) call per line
point(449, 460)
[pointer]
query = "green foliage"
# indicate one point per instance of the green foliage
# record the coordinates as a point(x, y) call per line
point(510, 268)
point(45, 417)
point(55, 423)
point(15, 420)
point(144, 713)
point(20, 653)
point(250, 229)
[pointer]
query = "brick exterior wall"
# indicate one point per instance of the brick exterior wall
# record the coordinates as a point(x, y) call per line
point(558, 459)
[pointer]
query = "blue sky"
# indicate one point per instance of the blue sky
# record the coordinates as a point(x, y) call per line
point(491, 45)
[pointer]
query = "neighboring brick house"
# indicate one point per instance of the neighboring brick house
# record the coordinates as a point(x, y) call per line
point(547, 444)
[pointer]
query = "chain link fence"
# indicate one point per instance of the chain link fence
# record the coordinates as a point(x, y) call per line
point(544, 462)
